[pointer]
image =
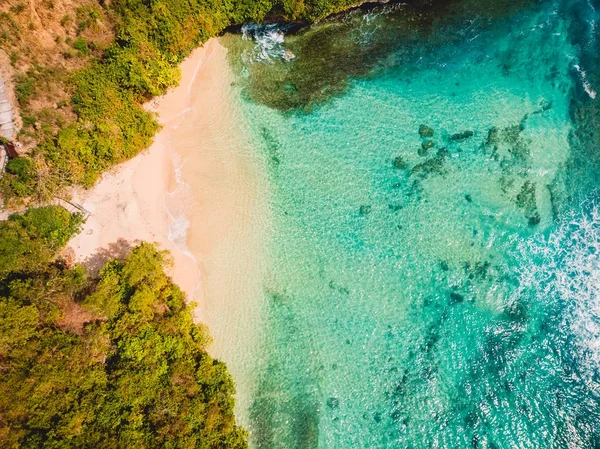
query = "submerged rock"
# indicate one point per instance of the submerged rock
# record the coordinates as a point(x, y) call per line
point(511, 150)
point(511, 134)
point(431, 339)
point(557, 197)
point(338, 288)
point(534, 219)
point(471, 419)
point(364, 210)
point(461, 136)
point(434, 165)
point(526, 197)
point(545, 105)
point(479, 271)
point(443, 152)
point(425, 131)
point(493, 137)
point(272, 146)
point(523, 122)
point(399, 163)
point(456, 298)
point(333, 403)
point(425, 146)
point(508, 135)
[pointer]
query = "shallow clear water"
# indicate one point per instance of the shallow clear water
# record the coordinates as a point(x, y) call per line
point(436, 285)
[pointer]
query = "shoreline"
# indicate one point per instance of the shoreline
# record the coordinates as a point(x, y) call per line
point(199, 192)
point(130, 202)
point(223, 193)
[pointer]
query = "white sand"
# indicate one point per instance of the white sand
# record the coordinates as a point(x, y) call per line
point(218, 188)
point(129, 204)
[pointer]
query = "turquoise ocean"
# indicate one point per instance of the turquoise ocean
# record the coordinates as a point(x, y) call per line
point(434, 257)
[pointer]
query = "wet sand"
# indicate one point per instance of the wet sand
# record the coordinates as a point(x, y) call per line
point(225, 200)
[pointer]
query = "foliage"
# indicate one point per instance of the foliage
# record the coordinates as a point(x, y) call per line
point(20, 176)
point(81, 45)
point(114, 363)
point(21, 167)
point(31, 239)
point(24, 88)
point(9, 30)
point(18, 8)
point(151, 39)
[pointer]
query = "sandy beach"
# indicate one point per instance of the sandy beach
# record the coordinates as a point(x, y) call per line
point(193, 192)
point(198, 192)
point(223, 195)
point(129, 204)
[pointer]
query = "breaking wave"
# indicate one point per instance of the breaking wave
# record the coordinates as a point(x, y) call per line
point(178, 204)
point(563, 269)
point(269, 43)
point(584, 81)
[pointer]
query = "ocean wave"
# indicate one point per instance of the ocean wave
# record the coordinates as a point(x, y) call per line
point(178, 203)
point(584, 81)
point(563, 270)
point(269, 42)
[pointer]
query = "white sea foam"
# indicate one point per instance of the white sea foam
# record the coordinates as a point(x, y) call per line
point(565, 267)
point(584, 81)
point(269, 43)
point(178, 203)
point(188, 106)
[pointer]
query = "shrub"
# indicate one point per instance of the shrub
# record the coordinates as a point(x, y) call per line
point(20, 177)
point(18, 8)
point(24, 88)
point(81, 45)
point(66, 20)
point(9, 30)
point(22, 167)
point(30, 240)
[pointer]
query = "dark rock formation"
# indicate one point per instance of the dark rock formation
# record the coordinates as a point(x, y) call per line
point(458, 137)
point(399, 163)
point(425, 131)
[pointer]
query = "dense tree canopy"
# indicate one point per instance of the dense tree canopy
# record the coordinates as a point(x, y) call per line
point(115, 362)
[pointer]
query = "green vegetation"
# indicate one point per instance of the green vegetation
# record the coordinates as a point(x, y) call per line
point(110, 125)
point(9, 30)
point(25, 88)
point(31, 240)
point(115, 362)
